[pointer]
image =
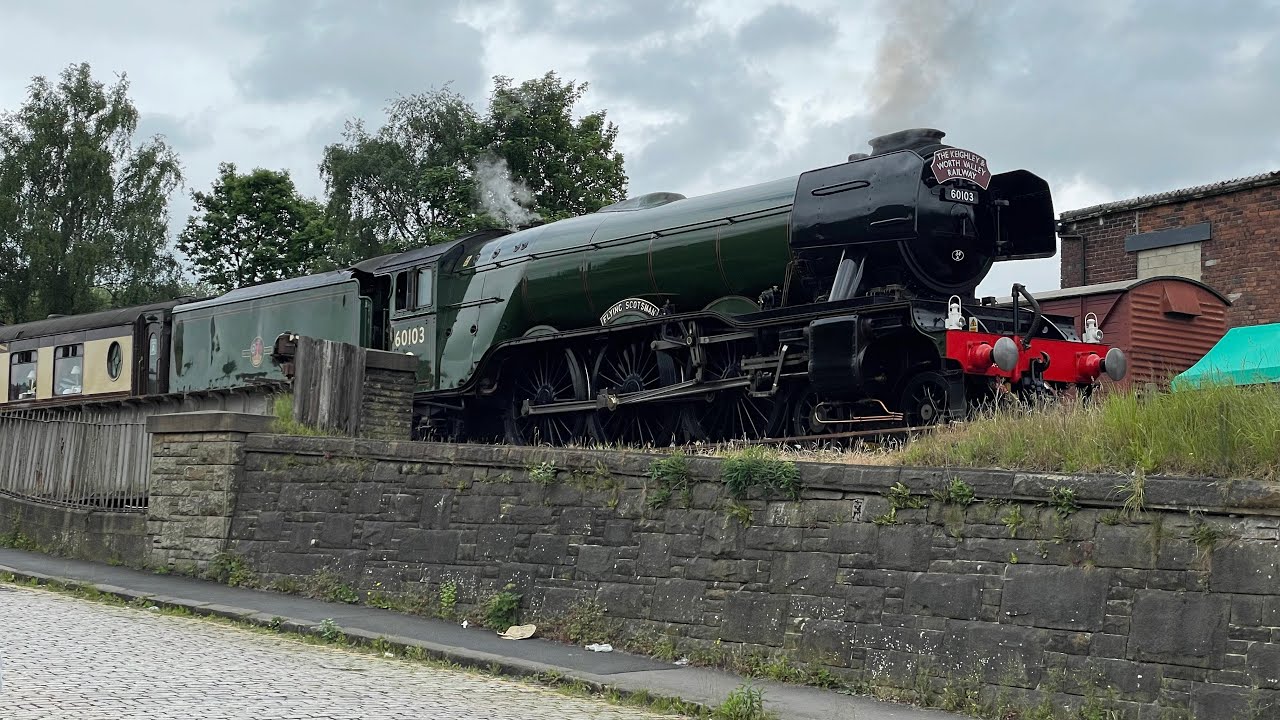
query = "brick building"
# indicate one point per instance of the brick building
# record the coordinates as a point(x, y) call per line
point(1226, 235)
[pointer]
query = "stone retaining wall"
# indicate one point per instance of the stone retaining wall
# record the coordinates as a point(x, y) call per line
point(101, 536)
point(1041, 588)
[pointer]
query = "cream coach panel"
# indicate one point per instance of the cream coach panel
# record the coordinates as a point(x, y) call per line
point(97, 378)
point(44, 373)
point(5, 369)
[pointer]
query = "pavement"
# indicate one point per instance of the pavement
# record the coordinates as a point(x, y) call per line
point(470, 646)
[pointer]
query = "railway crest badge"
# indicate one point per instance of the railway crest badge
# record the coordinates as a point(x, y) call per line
point(255, 352)
point(955, 164)
point(629, 306)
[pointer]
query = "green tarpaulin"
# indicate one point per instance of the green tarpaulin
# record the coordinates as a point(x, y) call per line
point(1244, 356)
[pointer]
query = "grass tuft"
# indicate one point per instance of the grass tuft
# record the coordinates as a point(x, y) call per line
point(1216, 432)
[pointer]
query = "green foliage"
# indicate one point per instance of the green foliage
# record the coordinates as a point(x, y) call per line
point(438, 167)
point(329, 630)
point(82, 208)
point(285, 424)
point(670, 475)
point(1205, 536)
point(1014, 520)
point(328, 585)
point(888, 518)
point(585, 622)
point(543, 473)
point(16, 540)
point(254, 228)
point(1063, 500)
point(762, 467)
point(1215, 431)
point(957, 492)
point(502, 610)
point(231, 569)
point(738, 511)
point(1135, 499)
point(744, 703)
point(900, 497)
point(448, 599)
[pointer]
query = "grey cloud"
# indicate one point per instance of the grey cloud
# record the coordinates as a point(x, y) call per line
point(782, 27)
point(371, 51)
point(182, 133)
point(722, 110)
point(604, 21)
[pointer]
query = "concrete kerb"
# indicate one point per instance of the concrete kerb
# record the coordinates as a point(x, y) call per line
point(494, 664)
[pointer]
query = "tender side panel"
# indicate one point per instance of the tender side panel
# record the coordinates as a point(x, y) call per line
point(229, 345)
point(5, 369)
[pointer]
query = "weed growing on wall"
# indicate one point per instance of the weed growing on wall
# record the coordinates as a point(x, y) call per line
point(1063, 501)
point(543, 473)
point(670, 476)
point(956, 492)
point(502, 610)
point(759, 467)
point(448, 599)
point(744, 703)
point(900, 497)
point(16, 540)
point(231, 569)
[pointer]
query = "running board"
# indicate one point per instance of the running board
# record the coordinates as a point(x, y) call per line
point(610, 401)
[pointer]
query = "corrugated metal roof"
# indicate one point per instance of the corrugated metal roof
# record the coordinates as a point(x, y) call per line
point(1103, 288)
point(1171, 196)
point(75, 323)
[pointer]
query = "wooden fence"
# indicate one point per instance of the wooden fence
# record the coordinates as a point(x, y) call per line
point(97, 456)
point(328, 385)
point(86, 459)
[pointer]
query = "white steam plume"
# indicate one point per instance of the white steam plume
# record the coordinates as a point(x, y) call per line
point(926, 43)
point(500, 196)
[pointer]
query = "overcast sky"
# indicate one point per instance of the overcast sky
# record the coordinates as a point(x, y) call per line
point(1106, 99)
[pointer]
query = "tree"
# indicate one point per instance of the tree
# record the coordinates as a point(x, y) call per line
point(253, 228)
point(570, 167)
point(438, 168)
point(83, 210)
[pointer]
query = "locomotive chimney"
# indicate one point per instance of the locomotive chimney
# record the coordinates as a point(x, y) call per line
point(913, 139)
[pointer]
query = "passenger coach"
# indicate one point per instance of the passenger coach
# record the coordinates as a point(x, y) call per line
point(103, 355)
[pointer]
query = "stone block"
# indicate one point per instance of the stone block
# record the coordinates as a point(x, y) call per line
point(433, 547)
point(677, 601)
point(752, 617)
point(337, 531)
point(1254, 611)
point(726, 571)
point(999, 652)
point(1251, 568)
point(623, 600)
point(864, 604)
point(479, 509)
point(803, 608)
point(433, 511)
point(721, 537)
point(807, 573)
point(618, 532)
point(1179, 628)
point(1223, 702)
point(765, 537)
point(830, 642)
point(593, 562)
point(853, 537)
point(547, 549)
point(1056, 597)
point(1264, 665)
point(908, 547)
point(654, 558)
point(577, 521)
point(952, 596)
point(496, 542)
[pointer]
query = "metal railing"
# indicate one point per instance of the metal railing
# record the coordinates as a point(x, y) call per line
point(76, 457)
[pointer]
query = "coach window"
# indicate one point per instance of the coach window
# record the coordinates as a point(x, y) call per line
point(423, 295)
point(68, 370)
point(22, 375)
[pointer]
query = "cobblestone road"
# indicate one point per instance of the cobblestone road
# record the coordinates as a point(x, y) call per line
point(65, 658)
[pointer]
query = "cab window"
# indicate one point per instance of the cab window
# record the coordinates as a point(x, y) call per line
point(423, 295)
point(22, 375)
point(413, 290)
point(68, 370)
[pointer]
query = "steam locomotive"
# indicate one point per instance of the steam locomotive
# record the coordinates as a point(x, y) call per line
point(838, 300)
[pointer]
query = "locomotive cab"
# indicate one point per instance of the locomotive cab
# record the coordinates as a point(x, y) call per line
point(917, 217)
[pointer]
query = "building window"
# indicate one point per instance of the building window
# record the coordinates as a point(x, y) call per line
point(68, 370)
point(22, 375)
point(115, 361)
